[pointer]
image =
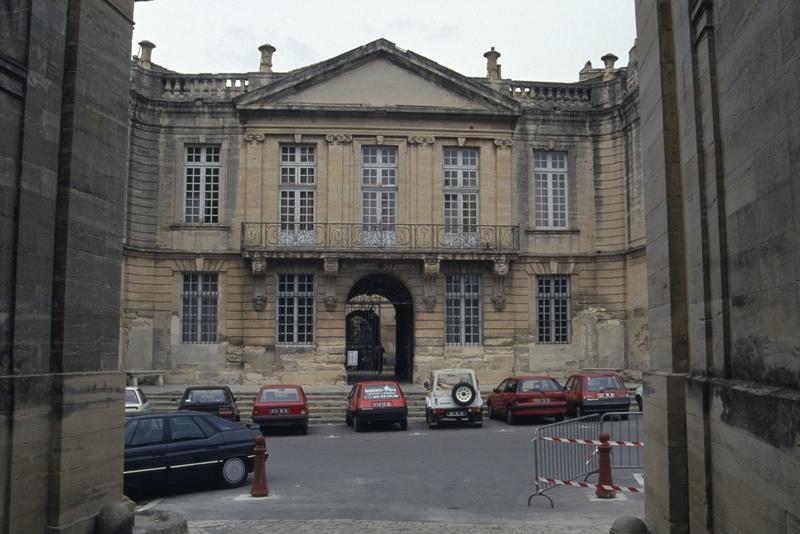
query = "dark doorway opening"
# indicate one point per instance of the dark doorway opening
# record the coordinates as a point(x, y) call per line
point(379, 330)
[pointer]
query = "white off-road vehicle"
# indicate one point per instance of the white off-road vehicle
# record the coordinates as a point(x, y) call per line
point(453, 395)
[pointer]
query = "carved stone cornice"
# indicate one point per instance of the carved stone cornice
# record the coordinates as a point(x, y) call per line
point(251, 138)
point(503, 143)
point(421, 140)
point(338, 139)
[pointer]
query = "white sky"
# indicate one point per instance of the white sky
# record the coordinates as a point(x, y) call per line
point(542, 40)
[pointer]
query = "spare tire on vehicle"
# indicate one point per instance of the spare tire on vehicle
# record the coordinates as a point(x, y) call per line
point(463, 394)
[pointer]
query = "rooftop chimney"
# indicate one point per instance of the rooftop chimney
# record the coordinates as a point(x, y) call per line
point(266, 57)
point(492, 68)
point(145, 51)
point(608, 61)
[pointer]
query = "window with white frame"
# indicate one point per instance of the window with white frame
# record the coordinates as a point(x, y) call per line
point(199, 297)
point(552, 309)
point(297, 184)
point(550, 189)
point(378, 194)
point(201, 184)
point(295, 309)
point(462, 309)
point(461, 191)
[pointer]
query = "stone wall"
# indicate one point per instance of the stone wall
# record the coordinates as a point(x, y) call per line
point(720, 118)
point(63, 104)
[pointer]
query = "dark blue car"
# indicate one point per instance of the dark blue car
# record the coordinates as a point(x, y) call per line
point(175, 448)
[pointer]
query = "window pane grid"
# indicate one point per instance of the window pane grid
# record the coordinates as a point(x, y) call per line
point(462, 309)
point(295, 309)
point(201, 184)
point(298, 165)
point(461, 183)
point(552, 309)
point(378, 194)
point(199, 299)
point(297, 172)
point(550, 189)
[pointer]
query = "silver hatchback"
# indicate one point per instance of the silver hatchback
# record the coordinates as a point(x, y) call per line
point(136, 401)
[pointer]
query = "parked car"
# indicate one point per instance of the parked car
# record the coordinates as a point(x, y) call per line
point(639, 399)
point(596, 393)
point(179, 447)
point(372, 402)
point(136, 401)
point(281, 405)
point(218, 400)
point(453, 395)
point(523, 396)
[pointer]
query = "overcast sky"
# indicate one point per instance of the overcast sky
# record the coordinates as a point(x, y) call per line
point(543, 40)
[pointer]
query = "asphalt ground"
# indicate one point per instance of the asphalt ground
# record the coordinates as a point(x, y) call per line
point(447, 476)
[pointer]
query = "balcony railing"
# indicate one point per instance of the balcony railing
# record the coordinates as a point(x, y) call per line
point(379, 237)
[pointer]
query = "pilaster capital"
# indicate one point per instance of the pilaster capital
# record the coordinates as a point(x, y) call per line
point(421, 140)
point(338, 139)
point(503, 143)
point(251, 138)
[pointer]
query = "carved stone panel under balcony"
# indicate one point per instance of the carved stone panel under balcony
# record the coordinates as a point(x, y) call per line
point(404, 240)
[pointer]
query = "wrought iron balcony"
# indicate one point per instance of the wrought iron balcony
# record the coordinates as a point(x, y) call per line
point(415, 238)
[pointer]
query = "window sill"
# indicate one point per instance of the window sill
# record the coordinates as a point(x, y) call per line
point(188, 226)
point(552, 231)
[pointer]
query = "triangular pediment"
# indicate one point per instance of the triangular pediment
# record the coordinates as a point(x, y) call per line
point(379, 76)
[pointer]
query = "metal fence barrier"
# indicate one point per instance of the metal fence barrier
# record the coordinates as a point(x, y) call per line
point(560, 452)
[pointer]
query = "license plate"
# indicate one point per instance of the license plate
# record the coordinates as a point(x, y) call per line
point(456, 413)
point(605, 395)
point(539, 400)
point(381, 404)
point(279, 411)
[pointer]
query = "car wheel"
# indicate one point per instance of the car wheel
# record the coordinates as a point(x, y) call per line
point(347, 419)
point(431, 419)
point(304, 429)
point(559, 418)
point(463, 394)
point(358, 424)
point(489, 410)
point(510, 419)
point(404, 424)
point(233, 472)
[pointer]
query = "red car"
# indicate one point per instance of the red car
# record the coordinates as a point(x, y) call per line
point(281, 405)
point(522, 396)
point(596, 393)
point(371, 402)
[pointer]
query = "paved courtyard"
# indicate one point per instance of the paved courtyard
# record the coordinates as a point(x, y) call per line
point(449, 479)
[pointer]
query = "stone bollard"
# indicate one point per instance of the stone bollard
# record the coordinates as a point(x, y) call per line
point(116, 518)
point(604, 478)
point(259, 487)
point(628, 525)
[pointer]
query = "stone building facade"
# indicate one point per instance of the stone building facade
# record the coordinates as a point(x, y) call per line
point(380, 214)
point(721, 123)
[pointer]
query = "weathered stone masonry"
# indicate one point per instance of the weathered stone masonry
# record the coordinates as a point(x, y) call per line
point(380, 95)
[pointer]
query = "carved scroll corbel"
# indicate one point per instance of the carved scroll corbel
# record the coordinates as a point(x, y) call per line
point(500, 275)
point(258, 265)
point(331, 271)
point(430, 271)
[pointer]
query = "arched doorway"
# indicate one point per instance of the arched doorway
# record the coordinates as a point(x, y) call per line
point(379, 330)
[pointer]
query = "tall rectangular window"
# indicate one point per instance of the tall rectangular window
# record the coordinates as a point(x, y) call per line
point(462, 309)
point(461, 193)
point(552, 309)
point(550, 189)
point(297, 188)
point(199, 297)
point(295, 309)
point(201, 184)
point(378, 195)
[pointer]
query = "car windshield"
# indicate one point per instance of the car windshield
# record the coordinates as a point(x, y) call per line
point(130, 397)
point(447, 380)
point(381, 391)
point(539, 384)
point(599, 383)
point(206, 396)
point(279, 395)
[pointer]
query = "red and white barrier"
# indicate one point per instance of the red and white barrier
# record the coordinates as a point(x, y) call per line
point(616, 443)
point(629, 489)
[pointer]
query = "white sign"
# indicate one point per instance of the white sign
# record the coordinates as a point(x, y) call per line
point(352, 358)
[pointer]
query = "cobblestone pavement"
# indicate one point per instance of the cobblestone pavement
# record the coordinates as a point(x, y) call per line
point(343, 526)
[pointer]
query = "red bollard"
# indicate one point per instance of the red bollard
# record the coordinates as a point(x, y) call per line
point(259, 487)
point(604, 478)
